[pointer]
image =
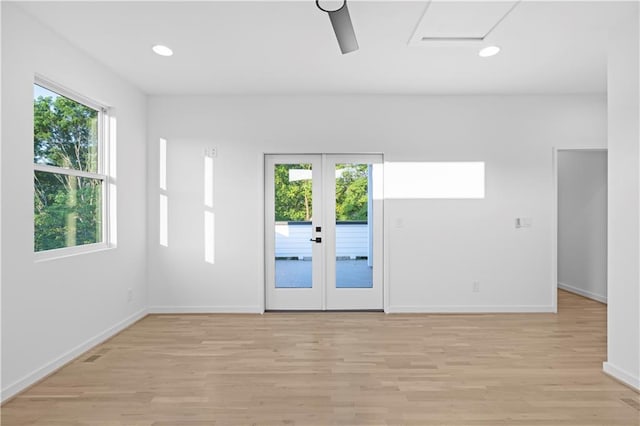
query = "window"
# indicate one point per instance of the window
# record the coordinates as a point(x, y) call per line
point(68, 163)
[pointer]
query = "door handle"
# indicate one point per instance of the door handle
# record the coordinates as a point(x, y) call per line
point(316, 239)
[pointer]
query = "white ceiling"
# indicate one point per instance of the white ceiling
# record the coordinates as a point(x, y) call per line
point(455, 19)
point(289, 47)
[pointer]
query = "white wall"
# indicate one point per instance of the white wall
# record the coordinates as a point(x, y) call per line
point(582, 223)
point(436, 248)
point(623, 337)
point(54, 310)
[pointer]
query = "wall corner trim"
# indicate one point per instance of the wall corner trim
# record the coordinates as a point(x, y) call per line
point(583, 293)
point(34, 377)
point(622, 376)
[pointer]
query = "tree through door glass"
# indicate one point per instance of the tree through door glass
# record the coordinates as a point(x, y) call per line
point(354, 231)
point(293, 227)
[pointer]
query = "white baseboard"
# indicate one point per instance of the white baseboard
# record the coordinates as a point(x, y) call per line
point(581, 292)
point(230, 309)
point(453, 309)
point(621, 375)
point(42, 372)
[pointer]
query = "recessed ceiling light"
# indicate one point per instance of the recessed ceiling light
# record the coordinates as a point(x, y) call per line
point(162, 50)
point(488, 51)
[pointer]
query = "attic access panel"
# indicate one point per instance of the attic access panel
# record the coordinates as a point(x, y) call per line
point(454, 21)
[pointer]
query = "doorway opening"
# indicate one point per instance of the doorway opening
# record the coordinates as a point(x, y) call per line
point(582, 222)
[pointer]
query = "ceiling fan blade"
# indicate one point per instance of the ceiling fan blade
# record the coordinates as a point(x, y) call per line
point(342, 26)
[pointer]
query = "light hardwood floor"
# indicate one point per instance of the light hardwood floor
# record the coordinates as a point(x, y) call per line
point(341, 368)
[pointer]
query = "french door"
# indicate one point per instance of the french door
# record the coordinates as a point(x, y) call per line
point(323, 232)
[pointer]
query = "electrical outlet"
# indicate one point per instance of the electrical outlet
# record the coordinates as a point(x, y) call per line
point(129, 295)
point(476, 286)
point(211, 152)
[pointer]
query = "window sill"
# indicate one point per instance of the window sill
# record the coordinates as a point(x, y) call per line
point(61, 253)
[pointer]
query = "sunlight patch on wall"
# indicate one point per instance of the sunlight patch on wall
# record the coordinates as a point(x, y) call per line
point(208, 181)
point(163, 164)
point(113, 182)
point(209, 215)
point(164, 199)
point(434, 180)
point(209, 237)
point(164, 220)
point(113, 214)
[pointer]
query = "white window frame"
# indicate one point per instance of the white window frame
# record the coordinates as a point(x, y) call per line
point(101, 174)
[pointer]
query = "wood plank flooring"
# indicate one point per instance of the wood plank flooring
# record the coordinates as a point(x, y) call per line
point(341, 369)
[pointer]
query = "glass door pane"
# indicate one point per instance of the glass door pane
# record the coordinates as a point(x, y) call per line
point(293, 218)
point(293, 212)
point(353, 212)
point(353, 226)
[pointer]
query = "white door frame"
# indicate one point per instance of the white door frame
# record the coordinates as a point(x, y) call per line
point(380, 255)
point(554, 218)
point(305, 298)
point(354, 298)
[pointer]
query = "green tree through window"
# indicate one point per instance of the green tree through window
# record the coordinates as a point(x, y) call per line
point(351, 192)
point(67, 197)
point(293, 195)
